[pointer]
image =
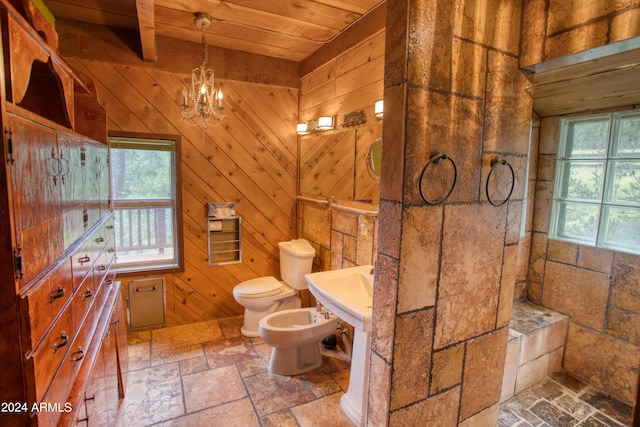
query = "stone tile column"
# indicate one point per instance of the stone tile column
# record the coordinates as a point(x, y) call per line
point(444, 281)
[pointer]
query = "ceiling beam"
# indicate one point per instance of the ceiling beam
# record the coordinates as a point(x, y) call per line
point(146, 24)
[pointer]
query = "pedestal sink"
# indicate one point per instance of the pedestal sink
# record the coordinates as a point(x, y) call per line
point(348, 293)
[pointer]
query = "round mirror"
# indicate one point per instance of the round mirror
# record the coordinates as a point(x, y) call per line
point(374, 159)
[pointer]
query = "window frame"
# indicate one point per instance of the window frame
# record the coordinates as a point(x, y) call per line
point(177, 263)
point(604, 202)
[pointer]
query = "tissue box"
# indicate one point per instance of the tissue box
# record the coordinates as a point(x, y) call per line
point(221, 210)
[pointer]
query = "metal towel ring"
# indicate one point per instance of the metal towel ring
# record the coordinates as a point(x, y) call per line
point(436, 157)
point(495, 163)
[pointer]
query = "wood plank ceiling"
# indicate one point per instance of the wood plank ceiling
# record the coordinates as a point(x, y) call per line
point(285, 29)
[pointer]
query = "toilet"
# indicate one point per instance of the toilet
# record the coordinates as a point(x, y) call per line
point(265, 295)
point(295, 336)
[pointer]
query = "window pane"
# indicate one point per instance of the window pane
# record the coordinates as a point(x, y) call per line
point(577, 221)
point(587, 138)
point(580, 180)
point(627, 143)
point(141, 174)
point(621, 229)
point(144, 234)
point(624, 177)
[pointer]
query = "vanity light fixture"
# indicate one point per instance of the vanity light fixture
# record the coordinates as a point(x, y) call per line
point(317, 125)
point(325, 123)
point(378, 108)
point(302, 129)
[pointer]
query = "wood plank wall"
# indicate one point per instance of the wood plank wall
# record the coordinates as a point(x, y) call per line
point(251, 160)
point(350, 82)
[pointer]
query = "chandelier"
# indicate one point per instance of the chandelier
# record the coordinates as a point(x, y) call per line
point(202, 102)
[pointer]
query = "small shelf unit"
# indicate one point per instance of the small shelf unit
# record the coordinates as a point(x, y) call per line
point(225, 240)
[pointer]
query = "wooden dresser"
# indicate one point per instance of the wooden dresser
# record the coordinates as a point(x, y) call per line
point(63, 341)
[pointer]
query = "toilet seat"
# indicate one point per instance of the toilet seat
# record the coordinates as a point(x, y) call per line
point(260, 287)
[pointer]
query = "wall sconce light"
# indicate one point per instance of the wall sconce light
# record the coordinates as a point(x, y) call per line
point(325, 123)
point(301, 129)
point(316, 125)
point(378, 108)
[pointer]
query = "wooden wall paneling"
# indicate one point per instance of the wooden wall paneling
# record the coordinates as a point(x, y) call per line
point(209, 185)
point(251, 159)
point(317, 97)
point(318, 78)
point(361, 76)
point(367, 51)
point(272, 121)
point(252, 205)
point(259, 254)
point(362, 98)
point(326, 164)
point(272, 130)
point(375, 21)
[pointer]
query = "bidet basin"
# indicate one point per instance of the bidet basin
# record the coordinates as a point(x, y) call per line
point(347, 293)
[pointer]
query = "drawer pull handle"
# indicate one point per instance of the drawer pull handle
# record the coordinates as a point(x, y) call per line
point(77, 356)
point(99, 239)
point(87, 294)
point(111, 250)
point(109, 282)
point(110, 227)
point(58, 294)
point(101, 268)
point(64, 340)
point(147, 289)
point(84, 259)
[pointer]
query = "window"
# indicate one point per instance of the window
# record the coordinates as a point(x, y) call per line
point(596, 198)
point(146, 203)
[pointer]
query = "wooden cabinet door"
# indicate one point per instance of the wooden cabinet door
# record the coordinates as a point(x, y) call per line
point(104, 180)
point(36, 180)
point(72, 186)
point(94, 169)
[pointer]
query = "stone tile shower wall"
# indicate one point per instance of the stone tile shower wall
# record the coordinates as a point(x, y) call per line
point(446, 273)
point(598, 289)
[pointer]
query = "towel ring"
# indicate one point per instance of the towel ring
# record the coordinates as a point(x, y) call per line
point(495, 164)
point(436, 157)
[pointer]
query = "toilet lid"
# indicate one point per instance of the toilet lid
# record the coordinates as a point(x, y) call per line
point(259, 287)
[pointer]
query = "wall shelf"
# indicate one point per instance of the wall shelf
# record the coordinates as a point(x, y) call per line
point(224, 240)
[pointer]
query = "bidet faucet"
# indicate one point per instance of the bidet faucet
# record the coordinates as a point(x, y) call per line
point(318, 307)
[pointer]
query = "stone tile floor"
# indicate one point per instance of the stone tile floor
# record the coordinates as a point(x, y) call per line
point(563, 401)
point(208, 374)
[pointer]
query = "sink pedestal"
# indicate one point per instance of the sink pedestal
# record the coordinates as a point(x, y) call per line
point(354, 401)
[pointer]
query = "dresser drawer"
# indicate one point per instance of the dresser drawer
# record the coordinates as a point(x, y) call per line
point(58, 393)
point(81, 262)
point(84, 297)
point(103, 264)
point(51, 352)
point(48, 299)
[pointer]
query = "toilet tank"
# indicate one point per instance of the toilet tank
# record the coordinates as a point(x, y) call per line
point(296, 260)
